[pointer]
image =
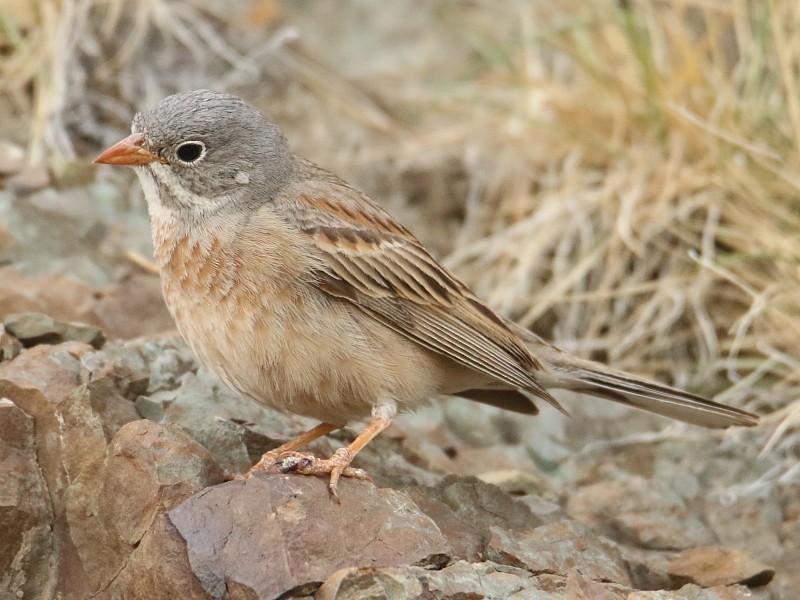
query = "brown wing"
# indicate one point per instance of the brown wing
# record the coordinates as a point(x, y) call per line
point(379, 266)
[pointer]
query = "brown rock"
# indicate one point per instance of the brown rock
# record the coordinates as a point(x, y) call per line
point(465, 509)
point(711, 566)
point(26, 546)
point(648, 568)
point(39, 381)
point(106, 477)
point(149, 469)
point(463, 581)
point(517, 482)
point(35, 328)
point(559, 548)
point(693, 592)
point(273, 533)
point(127, 309)
point(60, 297)
point(121, 363)
point(133, 307)
point(10, 347)
point(580, 587)
point(158, 569)
point(639, 512)
point(9, 245)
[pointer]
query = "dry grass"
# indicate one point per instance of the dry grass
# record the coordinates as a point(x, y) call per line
point(629, 169)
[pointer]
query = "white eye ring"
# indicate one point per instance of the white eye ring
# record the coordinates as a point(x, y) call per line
point(190, 152)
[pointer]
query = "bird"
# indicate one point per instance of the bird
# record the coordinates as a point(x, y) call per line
point(303, 294)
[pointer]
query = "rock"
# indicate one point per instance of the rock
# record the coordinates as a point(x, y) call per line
point(465, 509)
point(121, 363)
point(158, 569)
point(58, 296)
point(154, 407)
point(461, 581)
point(227, 442)
point(545, 509)
point(560, 547)
point(61, 231)
point(106, 477)
point(639, 512)
point(580, 587)
point(132, 307)
point(9, 345)
point(517, 483)
point(149, 469)
point(41, 382)
point(648, 569)
point(693, 592)
point(272, 533)
point(710, 566)
point(167, 360)
point(127, 309)
point(35, 328)
point(26, 544)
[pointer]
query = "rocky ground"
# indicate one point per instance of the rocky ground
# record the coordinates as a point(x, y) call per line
point(113, 463)
point(114, 456)
point(116, 450)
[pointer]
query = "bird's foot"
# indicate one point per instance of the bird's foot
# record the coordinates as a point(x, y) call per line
point(336, 466)
point(267, 461)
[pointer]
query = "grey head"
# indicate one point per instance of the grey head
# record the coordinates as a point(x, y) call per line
point(202, 151)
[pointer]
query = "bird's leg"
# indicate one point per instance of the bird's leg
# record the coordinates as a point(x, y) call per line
point(338, 464)
point(270, 458)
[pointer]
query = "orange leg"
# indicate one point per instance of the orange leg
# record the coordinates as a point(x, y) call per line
point(338, 464)
point(270, 458)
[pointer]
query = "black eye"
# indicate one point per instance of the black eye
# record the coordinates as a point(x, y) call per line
point(189, 152)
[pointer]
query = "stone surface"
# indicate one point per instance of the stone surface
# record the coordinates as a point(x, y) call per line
point(641, 512)
point(693, 592)
point(125, 309)
point(560, 547)
point(158, 569)
point(35, 328)
point(26, 544)
point(710, 566)
point(10, 347)
point(125, 507)
point(466, 510)
point(147, 469)
point(274, 533)
point(463, 580)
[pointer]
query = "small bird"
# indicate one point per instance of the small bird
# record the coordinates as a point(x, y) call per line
point(300, 292)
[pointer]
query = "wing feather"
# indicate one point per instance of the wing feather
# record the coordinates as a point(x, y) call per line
point(378, 265)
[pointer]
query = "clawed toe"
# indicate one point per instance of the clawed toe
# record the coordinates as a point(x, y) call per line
point(336, 466)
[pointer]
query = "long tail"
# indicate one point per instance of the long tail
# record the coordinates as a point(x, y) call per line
point(568, 372)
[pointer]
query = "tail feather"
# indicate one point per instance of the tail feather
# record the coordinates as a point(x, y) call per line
point(657, 398)
point(568, 372)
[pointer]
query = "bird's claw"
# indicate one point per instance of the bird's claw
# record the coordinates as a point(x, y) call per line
point(336, 466)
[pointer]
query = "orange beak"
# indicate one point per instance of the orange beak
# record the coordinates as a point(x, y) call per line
point(129, 151)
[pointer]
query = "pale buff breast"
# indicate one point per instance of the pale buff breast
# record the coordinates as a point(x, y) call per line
point(245, 307)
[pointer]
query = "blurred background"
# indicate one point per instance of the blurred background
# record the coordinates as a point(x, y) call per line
point(621, 176)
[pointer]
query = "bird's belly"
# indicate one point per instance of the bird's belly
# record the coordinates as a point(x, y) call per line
point(305, 353)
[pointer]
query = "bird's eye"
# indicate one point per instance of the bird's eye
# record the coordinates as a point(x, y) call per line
point(190, 152)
